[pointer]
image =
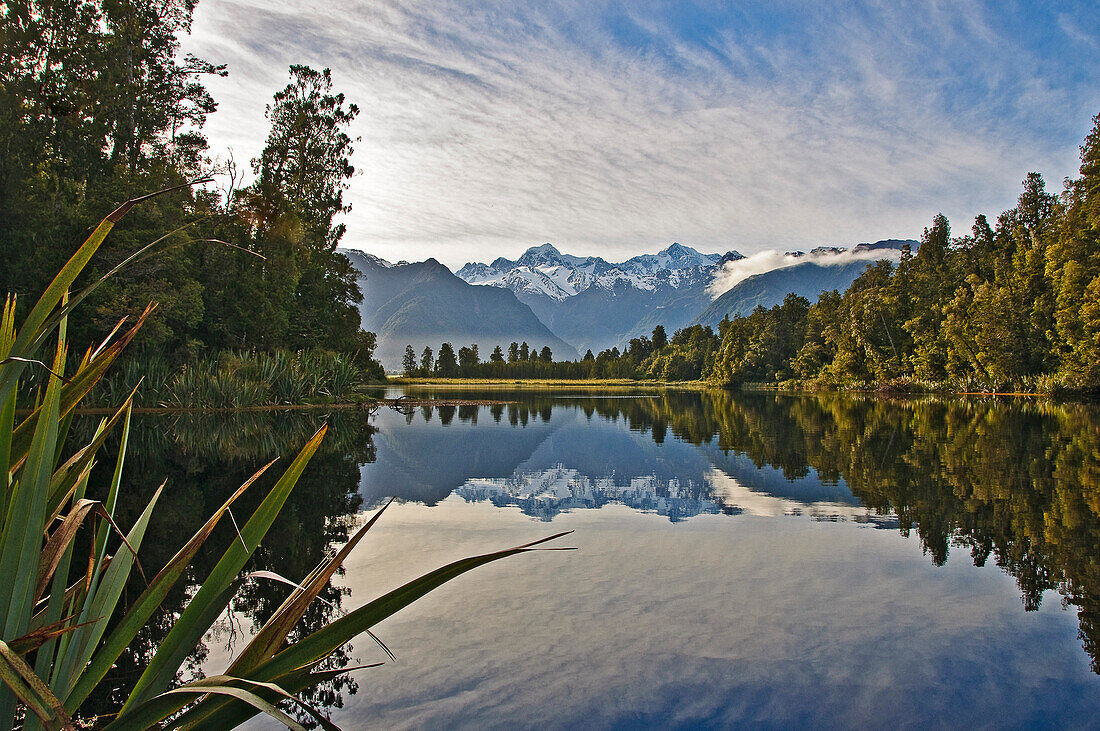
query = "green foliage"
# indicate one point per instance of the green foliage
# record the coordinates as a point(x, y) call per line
point(1008, 308)
point(96, 102)
point(688, 356)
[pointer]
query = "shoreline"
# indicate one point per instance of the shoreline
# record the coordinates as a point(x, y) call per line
point(410, 401)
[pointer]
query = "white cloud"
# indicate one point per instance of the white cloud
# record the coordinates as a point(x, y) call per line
point(733, 273)
point(486, 129)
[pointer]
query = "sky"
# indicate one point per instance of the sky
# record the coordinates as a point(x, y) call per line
point(617, 128)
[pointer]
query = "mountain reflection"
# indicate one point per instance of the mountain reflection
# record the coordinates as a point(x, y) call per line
point(1014, 481)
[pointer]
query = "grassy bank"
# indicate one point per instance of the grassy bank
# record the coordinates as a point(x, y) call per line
point(238, 380)
point(548, 383)
point(895, 387)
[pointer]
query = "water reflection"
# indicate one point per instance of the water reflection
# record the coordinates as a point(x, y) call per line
point(202, 459)
point(1012, 480)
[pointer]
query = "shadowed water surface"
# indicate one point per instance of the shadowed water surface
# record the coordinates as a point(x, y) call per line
point(744, 559)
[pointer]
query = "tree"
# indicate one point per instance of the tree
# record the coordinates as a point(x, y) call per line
point(545, 354)
point(427, 364)
point(306, 291)
point(497, 356)
point(446, 364)
point(1074, 268)
point(659, 338)
point(408, 363)
point(467, 359)
point(588, 355)
point(513, 352)
point(525, 351)
point(96, 107)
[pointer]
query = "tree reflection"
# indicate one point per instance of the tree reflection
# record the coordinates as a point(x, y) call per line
point(203, 460)
point(1014, 480)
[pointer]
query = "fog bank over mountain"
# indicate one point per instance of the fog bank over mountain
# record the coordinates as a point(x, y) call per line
point(732, 273)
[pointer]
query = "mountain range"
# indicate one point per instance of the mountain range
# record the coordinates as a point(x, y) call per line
point(572, 304)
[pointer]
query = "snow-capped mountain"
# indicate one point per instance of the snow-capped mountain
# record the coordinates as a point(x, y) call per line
point(543, 271)
point(592, 303)
point(424, 304)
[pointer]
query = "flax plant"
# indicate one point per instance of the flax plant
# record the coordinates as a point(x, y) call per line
point(65, 561)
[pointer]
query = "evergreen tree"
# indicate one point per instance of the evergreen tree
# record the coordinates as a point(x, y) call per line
point(408, 363)
point(1074, 268)
point(545, 354)
point(659, 338)
point(446, 364)
point(524, 351)
point(513, 352)
point(467, 359)
point(497, 356)
point(305, 291)
point(427, 363)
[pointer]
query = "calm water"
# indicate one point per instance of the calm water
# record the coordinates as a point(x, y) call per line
point(743, 559)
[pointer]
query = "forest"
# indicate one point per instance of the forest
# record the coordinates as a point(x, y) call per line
point(98, 106)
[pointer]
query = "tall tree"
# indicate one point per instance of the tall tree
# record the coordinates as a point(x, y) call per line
point(1074, 268)
point(446, 364)
point(660, 339)
point(307, 289)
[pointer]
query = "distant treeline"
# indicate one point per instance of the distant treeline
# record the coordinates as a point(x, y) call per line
point(689, 353)
point(98, 105)
point(1010, 306)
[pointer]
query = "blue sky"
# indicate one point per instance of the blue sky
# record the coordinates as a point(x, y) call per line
point(615, 128)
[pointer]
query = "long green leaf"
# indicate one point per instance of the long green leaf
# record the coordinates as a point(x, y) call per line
point(248, 697)
point(164, 705)
point(7, 424)
point(307, 652)
point(65, 476)
point(72, 392)
point(30, 689)
point(148, 603)
point(27, 513)
point(210, 599)
point(100, 604)
point(56, 558)
point(276, 629)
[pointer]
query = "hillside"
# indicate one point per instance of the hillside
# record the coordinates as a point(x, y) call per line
point(424, 304)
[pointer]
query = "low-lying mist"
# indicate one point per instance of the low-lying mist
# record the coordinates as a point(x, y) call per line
point(733, 273)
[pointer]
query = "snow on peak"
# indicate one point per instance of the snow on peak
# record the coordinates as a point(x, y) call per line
point(536, 255)
point(365, 257)
point(544, 270)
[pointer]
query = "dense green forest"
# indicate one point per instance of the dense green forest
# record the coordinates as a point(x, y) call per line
point(98, 105)
point(1013, 306)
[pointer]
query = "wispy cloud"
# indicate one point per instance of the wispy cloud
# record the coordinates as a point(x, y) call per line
point(613, 129)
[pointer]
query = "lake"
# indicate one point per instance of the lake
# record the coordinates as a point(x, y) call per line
point(742, 559)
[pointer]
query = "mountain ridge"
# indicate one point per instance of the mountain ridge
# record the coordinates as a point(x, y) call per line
point(425, 304)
